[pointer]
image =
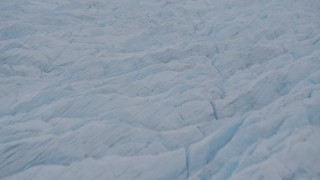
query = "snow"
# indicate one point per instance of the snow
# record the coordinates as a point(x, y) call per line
point(133, 89)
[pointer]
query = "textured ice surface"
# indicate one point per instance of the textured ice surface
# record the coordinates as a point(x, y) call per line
point(133, 89)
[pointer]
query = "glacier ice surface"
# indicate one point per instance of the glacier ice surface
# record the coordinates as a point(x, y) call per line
point(134, 89)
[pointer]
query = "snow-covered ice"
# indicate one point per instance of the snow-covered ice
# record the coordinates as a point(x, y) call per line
point(159, 89)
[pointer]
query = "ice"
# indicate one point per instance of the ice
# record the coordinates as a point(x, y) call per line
point(131, 89)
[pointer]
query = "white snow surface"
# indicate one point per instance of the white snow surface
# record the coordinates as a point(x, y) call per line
point(159, 89)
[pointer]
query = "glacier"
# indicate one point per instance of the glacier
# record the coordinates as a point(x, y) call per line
point(159, 89)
